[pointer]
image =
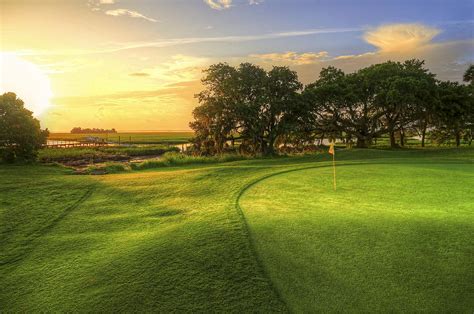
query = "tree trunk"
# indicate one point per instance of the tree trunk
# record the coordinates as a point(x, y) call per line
point(362, 142)
point(423, 135)
point(458, 138)
point(271, 147)
point(402, 137)
point(393, 142)
point(263, 147)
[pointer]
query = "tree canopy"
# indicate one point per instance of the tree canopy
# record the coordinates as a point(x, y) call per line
point(268, 109)
point(20, 133)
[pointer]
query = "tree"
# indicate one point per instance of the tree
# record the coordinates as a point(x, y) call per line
point(214, 119)
point(276, 113)
point(20, 133)
point(249, 101)
point(320, 112)
point(407, 91)
point(345, 104)
point(382, 98)
point(454, 111)
point(469, 75)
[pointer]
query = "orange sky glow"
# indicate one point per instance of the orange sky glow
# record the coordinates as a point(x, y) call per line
point(136, 65)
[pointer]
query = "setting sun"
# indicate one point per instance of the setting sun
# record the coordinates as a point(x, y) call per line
point(28, 81)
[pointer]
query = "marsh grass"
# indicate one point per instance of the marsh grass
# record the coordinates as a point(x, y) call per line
point(58, 154)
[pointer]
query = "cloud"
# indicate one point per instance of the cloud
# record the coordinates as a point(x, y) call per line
point(111, 48)
point(292, 58)
point(400, 37)
point(125, 12)
point(225, 39)
point(180, 68)
point(139, 74)
point(95, 4)
point(345, 57)
point(218, 4)
point(255, 2)
point(396, 42)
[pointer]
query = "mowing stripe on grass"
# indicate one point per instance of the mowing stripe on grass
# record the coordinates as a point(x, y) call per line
point(33, 236)
point(248, 232)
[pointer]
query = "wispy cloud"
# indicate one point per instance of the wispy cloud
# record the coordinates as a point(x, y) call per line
point(140, 74)
point(180, 68)
point(219, 4)
point(228, 39)
point(125, 12)
point(170, 42)
point(95, 4)
point(226, 4)
point(292, 58)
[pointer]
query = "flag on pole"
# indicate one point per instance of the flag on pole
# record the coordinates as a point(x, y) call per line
point(333, 153)
point(331, 149)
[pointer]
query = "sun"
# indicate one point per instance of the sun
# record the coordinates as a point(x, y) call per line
point(26, 80)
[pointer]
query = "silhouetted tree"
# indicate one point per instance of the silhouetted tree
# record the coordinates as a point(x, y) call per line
point(469, 75)
point(454, 112)
point(266, 110)
point(246, 101)
point(20, 133)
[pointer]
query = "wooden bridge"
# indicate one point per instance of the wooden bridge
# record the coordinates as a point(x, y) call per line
point(69, 144)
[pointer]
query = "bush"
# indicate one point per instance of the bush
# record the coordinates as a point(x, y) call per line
point(176, 159)
point(110, 167)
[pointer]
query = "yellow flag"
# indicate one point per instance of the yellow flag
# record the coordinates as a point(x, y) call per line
point(333, 153)
point(331, 149)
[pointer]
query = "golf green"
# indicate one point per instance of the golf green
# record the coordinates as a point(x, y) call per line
point(395, 236)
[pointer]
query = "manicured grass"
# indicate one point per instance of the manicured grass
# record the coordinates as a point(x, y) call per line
point(173, 238)
point(131, 137)
point(393, 237)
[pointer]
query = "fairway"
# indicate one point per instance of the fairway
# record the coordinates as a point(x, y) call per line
point(265, 235)
point(393, 237)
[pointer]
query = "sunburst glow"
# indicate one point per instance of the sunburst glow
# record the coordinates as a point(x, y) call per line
point(27, 80)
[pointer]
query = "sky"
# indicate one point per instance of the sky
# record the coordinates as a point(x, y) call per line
point(137, 64)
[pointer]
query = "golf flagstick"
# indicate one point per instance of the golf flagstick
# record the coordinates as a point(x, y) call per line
point(333, 153)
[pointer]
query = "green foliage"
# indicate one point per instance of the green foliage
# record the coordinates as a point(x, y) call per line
point(256, 105)
point(377, 100)
point(454, 115)
point(265, 111)
point(174, 159)
point(469, 75)
point(20, 134)
point(106, 168)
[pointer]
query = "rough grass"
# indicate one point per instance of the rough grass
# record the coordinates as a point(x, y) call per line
point(174, 159)
point(172, 239)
